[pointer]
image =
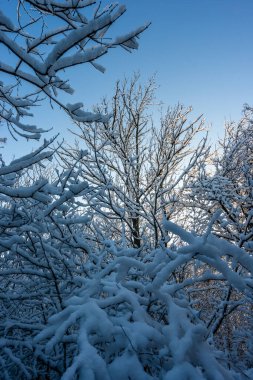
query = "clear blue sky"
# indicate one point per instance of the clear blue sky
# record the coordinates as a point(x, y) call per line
point(201, 50)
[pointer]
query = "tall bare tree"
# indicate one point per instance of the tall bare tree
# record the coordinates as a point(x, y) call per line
point(140, 166)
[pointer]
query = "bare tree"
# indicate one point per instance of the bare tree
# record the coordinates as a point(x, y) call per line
point(139, 167)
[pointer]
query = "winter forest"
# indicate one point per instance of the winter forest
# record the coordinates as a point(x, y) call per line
point(126, 255)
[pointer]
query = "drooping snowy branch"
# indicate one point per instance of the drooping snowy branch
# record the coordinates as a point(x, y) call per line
point(39, 52)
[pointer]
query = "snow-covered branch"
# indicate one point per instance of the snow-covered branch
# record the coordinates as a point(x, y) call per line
point(39, 52)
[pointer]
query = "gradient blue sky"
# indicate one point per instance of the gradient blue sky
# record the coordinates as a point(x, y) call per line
point(201, 51)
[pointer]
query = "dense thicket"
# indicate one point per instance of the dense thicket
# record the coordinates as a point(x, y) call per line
point(100, 277)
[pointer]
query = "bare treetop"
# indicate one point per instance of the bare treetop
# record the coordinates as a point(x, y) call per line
point(48, 37)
